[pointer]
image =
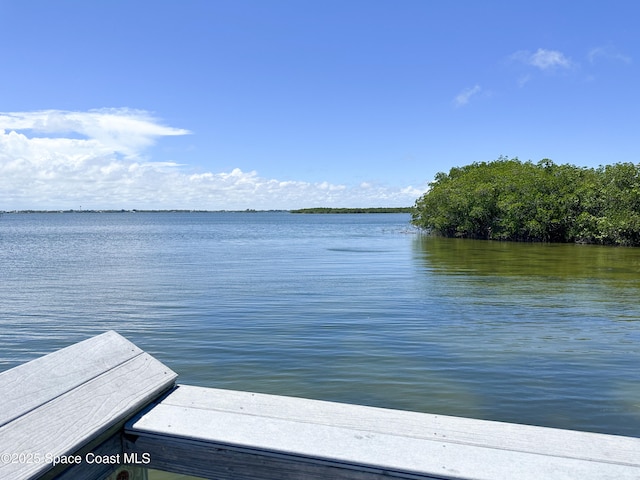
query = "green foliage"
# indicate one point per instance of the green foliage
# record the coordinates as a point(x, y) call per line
point(512, 200)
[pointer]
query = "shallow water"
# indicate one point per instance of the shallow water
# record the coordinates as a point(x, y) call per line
point(351, 308)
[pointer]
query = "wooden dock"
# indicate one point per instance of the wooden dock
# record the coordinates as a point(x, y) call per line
point(84, 411)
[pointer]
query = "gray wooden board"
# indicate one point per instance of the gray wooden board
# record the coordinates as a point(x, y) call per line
point(28, 386)
point(221, 463)
point(94, 471)
point(380, 441)
point(526, 438)
point(106, 393)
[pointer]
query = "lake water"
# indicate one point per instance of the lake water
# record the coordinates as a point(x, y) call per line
point(349, 308)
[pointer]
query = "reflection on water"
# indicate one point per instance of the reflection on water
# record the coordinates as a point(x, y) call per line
point(538, 260)
point(349, 308)
point(548, 328)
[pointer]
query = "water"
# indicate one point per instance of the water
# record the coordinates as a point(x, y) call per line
point(350, 308)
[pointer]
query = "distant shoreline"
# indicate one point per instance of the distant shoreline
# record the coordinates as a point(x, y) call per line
point(354, 210)
point(301, 210)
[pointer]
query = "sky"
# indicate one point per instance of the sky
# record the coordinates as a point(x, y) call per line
point(282, 104)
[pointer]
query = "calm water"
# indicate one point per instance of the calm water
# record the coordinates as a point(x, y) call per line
point(351, 308)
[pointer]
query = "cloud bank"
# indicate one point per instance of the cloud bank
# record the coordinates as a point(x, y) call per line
point(60, 159)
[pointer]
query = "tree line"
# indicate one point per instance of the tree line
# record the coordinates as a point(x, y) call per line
point(508, 199)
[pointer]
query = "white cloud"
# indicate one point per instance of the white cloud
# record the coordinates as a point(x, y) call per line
point(607, 53)
point(59, 159)
point(463, 97)
point(543, 59)
point(124, 131)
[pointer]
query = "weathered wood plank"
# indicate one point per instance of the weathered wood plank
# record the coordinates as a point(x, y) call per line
point(508, 436)
point(32, 384)
point(216, 428)
point(70, 420)
point(94, 471)
point(194, 458)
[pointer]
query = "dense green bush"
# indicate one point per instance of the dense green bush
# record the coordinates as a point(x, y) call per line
point(512, 200)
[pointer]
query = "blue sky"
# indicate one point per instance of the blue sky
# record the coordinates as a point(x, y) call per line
point(285, 104)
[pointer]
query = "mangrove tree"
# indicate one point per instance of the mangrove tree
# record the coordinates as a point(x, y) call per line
point(508, 199)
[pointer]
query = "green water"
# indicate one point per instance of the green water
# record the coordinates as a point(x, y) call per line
point(554, 328)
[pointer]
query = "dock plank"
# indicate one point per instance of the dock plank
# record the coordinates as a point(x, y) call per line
point(501, 435)
point(216, 427)
point(95, 471)
point(28, 386)
point(107, 391)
